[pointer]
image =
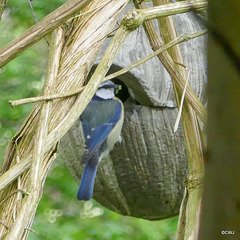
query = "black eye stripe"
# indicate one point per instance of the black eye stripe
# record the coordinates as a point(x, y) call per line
point(106, 87)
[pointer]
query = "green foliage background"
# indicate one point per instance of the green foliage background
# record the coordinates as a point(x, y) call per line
point(59, 215)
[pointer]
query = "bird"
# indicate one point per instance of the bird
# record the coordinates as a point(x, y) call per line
point(101, 123)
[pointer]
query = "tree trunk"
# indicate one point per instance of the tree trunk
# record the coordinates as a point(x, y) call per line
point(221, 201)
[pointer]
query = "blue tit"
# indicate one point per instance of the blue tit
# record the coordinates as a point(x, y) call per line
point(101, 122)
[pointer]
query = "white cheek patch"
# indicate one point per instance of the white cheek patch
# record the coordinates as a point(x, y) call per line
point(105, 93)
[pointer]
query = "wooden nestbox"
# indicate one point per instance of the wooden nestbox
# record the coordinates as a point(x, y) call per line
point(144, 174)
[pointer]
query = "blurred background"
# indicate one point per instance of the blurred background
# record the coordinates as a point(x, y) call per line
point(59, 215)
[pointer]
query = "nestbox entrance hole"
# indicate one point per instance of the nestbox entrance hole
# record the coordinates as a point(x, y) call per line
point(125, 80)
point(123, 93)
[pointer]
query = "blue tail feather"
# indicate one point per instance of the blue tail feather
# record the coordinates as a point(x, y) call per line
point(85, 190)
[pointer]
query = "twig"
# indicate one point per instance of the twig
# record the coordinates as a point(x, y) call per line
point(34, 15)
point(31, 230)
point(14, 192)
point(146, 14)
point(35, 18)
point(44, 98)
point(181, 38)
point(181, 105)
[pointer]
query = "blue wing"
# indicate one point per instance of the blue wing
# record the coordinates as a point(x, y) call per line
point(98, 120)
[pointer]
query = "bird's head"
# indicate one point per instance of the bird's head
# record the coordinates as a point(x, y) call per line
point(107, 90)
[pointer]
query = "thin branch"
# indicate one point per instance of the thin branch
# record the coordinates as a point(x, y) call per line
point(33, 13)
point(40, 29)
point(138, 16)
point(31, 230)
point(182, 38)
point(174, 8)
point(44, 98)
point(35, 17)
point(181, 105)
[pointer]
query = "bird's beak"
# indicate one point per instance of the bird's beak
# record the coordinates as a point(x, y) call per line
point(117, 88)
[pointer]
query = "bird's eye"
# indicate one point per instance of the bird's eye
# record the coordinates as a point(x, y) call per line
point(106, 87)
